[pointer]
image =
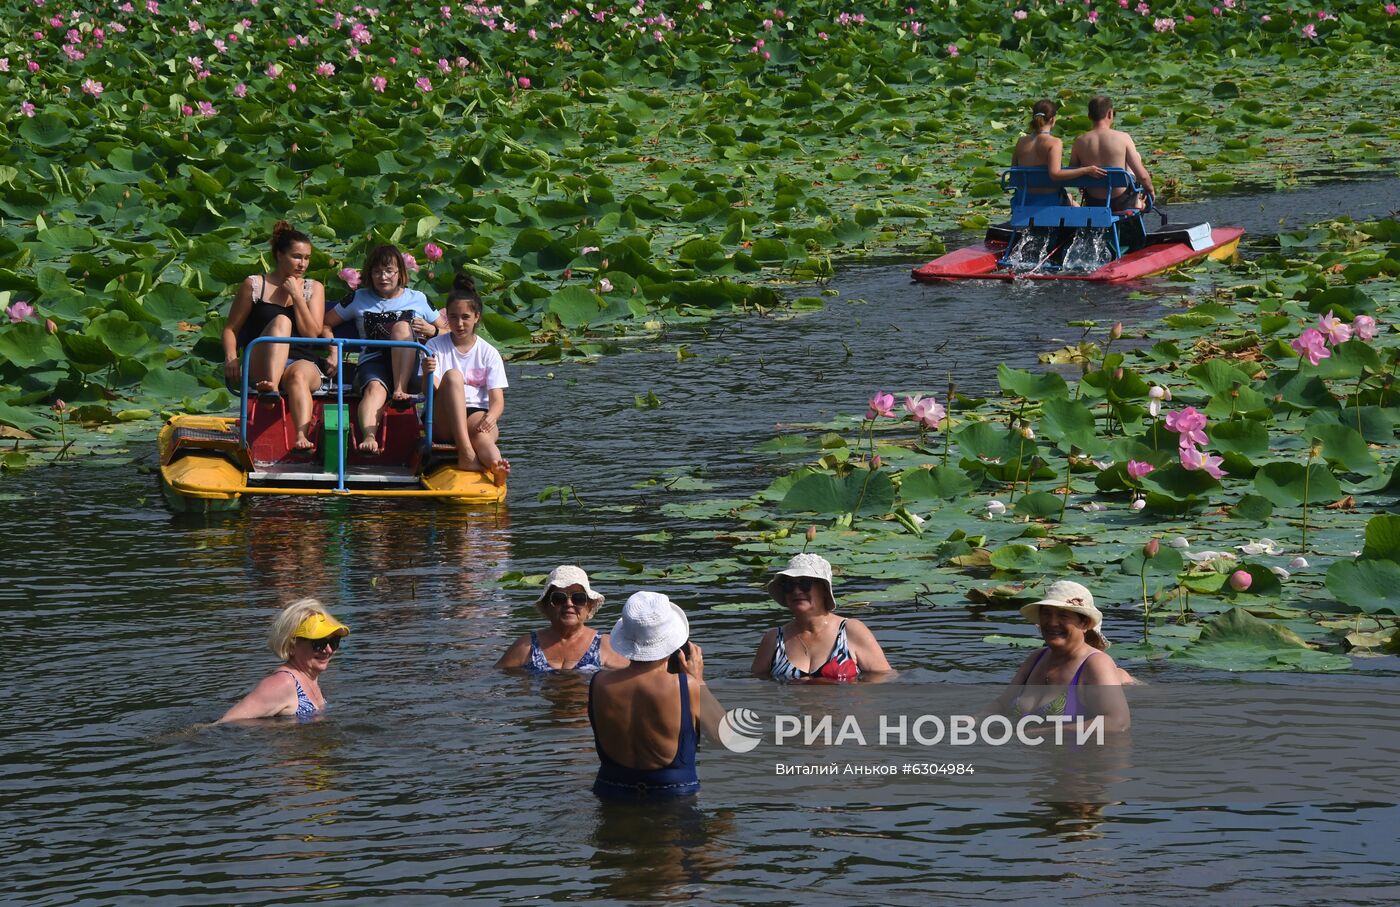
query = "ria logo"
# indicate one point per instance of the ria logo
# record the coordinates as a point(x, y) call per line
point(740, 730)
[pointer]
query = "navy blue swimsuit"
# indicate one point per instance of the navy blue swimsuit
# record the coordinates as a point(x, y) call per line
point(678, 779)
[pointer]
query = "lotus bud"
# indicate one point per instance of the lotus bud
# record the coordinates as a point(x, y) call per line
point(1139, 503)
point(59, 406)
point(1157, 392)
point(875, 462)
point(568, 273)
point(996, 508)
point(811, 533)
point(50, 326)
point(1151, 548)
point(1118, 373)
point(1027, 432)
point(1116, 331)
point(1298, 563)
point(1240, 580)
point(1315, 450)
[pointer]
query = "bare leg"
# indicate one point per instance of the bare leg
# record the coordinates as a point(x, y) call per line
point(450, 418)
point(371, 402)
point(269, 360)
point(299, 382)
point(404, 360)
point(484, 443)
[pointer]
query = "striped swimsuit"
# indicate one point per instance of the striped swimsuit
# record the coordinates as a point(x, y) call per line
point(841, 665)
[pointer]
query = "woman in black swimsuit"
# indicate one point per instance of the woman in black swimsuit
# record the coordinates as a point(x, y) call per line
point(283, 304)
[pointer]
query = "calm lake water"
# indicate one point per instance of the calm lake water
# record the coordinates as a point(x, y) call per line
point(435, 776)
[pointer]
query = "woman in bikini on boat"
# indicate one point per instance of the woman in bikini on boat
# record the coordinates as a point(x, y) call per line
point(1040, 148)
point(816, 644)
point(305, 637)
point(284, 303)
point(1072, 675)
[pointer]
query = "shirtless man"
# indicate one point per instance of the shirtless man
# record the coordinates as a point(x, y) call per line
point(1040, 148)
point(1107, 147)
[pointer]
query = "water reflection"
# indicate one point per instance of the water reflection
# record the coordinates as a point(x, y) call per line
point(655, 850)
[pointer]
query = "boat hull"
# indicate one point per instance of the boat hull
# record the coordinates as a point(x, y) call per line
point(979, 262)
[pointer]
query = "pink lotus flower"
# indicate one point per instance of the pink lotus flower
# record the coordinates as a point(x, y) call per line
point(351, 277)
point(1333, 329)
point(424, 84)
point(410, 262)
point(882, 404)
point(19, 310)
point(26, 108)
point(1193, 458)
point(952, 50)
point(925, 410)
point(1188, 424)
point(1093, 16)
point(378, 83)
point(240, 90)
point(273, 70)
point(206, 109)
point(1364, 326)
point(32, 66)
point(523, 81)
point(1137, 469)
point(4, 64)
point(292, 87)
point(92, 87)
point(1391, 9)
point(325, 70)
point(186, 110)
point(433, 252)
point(1164, 25)
point(1312, 346)
point(1309, 31)
point(1019, 15)
point(1240, 580)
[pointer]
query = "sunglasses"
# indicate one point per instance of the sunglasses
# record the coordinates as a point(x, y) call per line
point(557, 599)
point(325, 642)
point(788, 583)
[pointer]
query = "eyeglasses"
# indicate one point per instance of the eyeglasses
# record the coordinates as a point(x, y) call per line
point(325, 642)
point(788, 583)
point(386, 270)
point(557, 599)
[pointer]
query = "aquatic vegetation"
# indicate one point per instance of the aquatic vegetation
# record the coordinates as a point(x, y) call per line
point(1231, 524)
point(602, 174)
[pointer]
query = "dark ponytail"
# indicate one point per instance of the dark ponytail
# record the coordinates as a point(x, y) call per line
point(1042, 113)
point(284, 235)
point(464, 290)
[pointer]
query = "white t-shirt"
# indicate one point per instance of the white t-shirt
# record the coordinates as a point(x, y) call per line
point(482, 368)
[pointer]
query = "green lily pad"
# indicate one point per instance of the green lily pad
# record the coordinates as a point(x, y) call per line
point(1237, 641)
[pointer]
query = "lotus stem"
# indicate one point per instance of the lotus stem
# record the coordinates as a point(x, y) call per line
point(1064, 500)
point(1360, 378)
point(1307, 476)
point(1146, 608)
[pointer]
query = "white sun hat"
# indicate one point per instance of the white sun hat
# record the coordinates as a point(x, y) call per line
point(563, 577)
point(813, 566)
point(1070, 596)
point(651, 628)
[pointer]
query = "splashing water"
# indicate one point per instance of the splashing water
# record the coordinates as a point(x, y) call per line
point(1031, 250)
point(1088, 251)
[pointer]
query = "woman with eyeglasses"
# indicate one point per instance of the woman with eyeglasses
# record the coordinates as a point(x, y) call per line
point(405, 314)
point(568, 643)
point(816, 644)
point(305, 637)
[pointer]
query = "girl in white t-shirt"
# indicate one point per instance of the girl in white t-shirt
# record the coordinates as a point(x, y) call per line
point(469, 382)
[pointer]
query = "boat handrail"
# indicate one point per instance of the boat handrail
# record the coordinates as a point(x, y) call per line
point(340, 343)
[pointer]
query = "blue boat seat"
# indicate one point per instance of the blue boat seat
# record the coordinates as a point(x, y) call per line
point(1046, 207)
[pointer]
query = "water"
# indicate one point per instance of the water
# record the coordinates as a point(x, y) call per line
point(435, 776)
point(1088, 251)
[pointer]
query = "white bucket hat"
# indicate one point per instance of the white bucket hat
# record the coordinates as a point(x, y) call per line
point(562, 578)
point(651, 628)
point(813, 566)
point(1070, 596)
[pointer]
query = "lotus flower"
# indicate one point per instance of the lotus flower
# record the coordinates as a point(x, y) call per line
point(1194, 458)
point(432, 252)
point(1333, 329)
point(1312, 346)
point(351, 278)
point(925, 410)
point(1138, 469)
point(1364, 327)
point(882, 404)
point(1240, 580)
point(19, 310)
point(1151, 548)
point(410, 262)
point(1263, 546)
point(1188, 424)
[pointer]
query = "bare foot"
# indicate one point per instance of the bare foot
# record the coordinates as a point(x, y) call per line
point(265, 387)
point(369, 445)
point(469, 465)
point(400, 397)
point(303, 443)
point(499, 471)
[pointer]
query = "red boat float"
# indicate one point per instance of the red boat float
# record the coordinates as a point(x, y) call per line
point(1049, 239)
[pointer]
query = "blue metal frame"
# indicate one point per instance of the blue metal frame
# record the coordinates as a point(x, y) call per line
point(1044, 209)
point(340, 343)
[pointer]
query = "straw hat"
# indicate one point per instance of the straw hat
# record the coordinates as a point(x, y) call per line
point(651, 628)
point(563, 577)
point(813, 566)
point(1070, 596)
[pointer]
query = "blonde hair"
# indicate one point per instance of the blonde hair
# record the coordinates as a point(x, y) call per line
point(279, 638)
